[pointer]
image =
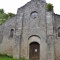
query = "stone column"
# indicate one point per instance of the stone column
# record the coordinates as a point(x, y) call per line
point(17, 37)
point(50, 36)
point(16, 47)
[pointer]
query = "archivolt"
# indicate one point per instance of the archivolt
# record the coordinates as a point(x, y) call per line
point(34, 38)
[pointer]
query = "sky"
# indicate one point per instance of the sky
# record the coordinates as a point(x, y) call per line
point(13, 5)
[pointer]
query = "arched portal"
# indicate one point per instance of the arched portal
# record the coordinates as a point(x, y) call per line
point(34, 51)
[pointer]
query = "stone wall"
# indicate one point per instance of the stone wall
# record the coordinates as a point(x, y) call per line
point(43, 27)
point(6, 42)
point(57, 39)
point(31, 26)
point(50, 35)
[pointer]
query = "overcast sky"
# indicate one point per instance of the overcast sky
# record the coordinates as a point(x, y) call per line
point(13, 5)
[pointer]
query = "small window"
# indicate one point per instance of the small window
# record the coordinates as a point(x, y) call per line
point(1, 36)
point(59, 32)
point(34, 14)
point(11, 32)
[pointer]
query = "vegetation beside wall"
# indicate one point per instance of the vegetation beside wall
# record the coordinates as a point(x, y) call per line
point(4, 16)
point(49, 7)
point(6, 57)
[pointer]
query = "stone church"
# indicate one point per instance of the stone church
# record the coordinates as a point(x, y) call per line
point(33, 33)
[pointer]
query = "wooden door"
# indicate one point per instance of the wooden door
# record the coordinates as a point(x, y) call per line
point(34, 51)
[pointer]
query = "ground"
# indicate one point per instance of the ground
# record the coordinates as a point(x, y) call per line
point(9, 58)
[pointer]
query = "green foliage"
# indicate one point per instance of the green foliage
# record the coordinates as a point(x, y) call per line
point(49, 7)
point(9, 58)
point(10, 15)
point(6, 57)
point(2, 19)
point(4, 16)
point(1, 11)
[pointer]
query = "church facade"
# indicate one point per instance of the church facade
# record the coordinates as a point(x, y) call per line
point(33, 33)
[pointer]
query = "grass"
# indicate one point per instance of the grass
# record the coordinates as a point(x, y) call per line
point(5, 57)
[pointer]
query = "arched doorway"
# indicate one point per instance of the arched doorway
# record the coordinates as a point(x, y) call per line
point(34, 51)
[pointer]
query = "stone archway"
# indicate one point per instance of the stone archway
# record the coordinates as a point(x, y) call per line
point(34, 50)
point(34, 47)
point(41, 46)
point(34, 38)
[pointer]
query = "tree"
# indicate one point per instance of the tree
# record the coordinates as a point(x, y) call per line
point(1, 11)
point(10, 15)
point(49, 7)
point(4, 16)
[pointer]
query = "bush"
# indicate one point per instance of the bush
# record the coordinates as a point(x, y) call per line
point(49, 7)
point(5, 56)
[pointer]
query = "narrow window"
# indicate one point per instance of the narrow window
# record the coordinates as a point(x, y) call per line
point(11, 32)
point(1, 36)
point(59, 32)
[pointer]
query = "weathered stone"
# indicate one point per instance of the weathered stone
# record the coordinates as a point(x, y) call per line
point(32, 23)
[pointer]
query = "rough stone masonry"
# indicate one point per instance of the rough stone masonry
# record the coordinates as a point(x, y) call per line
point(33, 33)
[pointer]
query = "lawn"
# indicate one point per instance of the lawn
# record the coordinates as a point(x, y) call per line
point(9, 58)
